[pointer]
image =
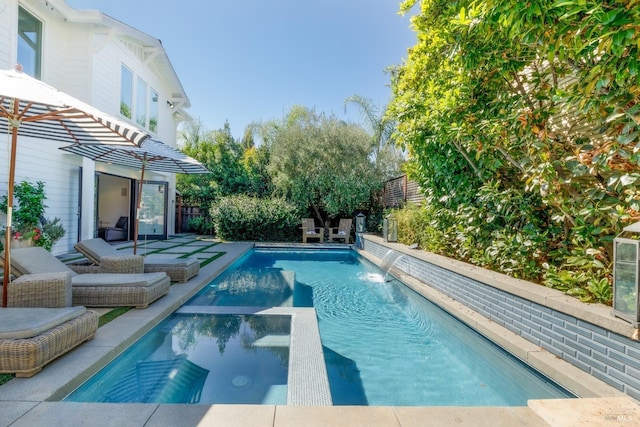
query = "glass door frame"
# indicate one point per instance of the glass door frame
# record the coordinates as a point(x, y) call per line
point(142, 229)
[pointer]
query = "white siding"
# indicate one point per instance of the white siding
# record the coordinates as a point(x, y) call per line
point(8, 29)
point(83, 60)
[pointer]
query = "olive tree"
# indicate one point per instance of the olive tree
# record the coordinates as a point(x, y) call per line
point(321, 164)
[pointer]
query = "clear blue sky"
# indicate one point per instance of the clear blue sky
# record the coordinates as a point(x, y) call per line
point(251, 60)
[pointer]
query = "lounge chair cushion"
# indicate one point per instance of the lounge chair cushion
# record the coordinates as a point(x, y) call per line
point(36, 260)
point(21, 323)
point(94, 249)
point(119, 280)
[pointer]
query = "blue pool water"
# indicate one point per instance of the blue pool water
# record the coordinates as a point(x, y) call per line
point(383, 344)
point(195, 358)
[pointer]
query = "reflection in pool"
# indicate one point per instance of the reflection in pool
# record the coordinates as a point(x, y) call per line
point(200, 358)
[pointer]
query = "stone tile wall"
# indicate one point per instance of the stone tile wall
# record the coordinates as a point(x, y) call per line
point(604, 354)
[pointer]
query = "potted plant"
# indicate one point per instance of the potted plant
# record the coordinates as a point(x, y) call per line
point(30, 228)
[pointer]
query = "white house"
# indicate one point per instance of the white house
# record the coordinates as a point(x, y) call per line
point(118, 70)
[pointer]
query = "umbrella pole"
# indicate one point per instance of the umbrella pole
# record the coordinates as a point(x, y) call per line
point(137, 223)
point(7, 235)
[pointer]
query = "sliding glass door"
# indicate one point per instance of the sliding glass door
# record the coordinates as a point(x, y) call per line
point(153, 211)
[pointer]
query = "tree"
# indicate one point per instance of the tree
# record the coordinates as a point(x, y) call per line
point(320, 163)
point(221, 155)
point(387, 157)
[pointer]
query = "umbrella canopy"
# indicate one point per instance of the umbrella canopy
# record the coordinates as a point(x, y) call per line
point(32, 108)
point(150, 155)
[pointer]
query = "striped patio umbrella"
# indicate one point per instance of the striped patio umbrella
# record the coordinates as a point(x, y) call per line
point(31, 108)
point(150, 155)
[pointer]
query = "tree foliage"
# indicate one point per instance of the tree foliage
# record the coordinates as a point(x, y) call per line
point(523, 116)
point(387, 156)
point(321, 164)
point(233, 168)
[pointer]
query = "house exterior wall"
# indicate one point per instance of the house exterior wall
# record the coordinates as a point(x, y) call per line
point(82, 57)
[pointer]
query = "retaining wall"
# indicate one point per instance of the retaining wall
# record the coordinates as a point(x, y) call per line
point(585, 335)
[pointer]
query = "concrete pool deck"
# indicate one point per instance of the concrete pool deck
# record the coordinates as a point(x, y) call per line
point(34, 401)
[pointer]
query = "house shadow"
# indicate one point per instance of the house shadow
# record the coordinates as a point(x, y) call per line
point(345, 382)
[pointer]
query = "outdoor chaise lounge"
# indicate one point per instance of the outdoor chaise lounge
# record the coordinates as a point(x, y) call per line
point(343, 232)
point(310, 231)
point(49, 290)
point(32, 337)
point(107, 259)
point(94, 290)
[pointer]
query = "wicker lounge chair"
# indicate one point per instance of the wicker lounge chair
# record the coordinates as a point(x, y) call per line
point(32, 337)
point(343, 232)
point(109, 260)
point(94, 290)
point(310, 231)
point(48, 290)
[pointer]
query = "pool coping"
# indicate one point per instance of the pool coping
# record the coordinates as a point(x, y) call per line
point(29, 401)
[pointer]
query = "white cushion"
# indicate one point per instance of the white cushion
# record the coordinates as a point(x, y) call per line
point(117, 280)
point(21, 323)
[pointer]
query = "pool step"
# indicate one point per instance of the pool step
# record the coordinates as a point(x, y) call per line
point(264, 287)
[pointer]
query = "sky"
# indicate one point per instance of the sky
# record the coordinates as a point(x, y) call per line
point(245, 61)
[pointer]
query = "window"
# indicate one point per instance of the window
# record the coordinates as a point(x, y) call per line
point(141, 103)
point(29, 43)
point(145, 109)
point(126, 91)
point(153, 112)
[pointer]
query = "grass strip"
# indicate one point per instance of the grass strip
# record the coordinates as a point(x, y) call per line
point(5, 378)
point(109, 316)
point(213, 258)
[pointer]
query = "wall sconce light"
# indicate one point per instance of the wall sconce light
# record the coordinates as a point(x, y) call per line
point(171, 104)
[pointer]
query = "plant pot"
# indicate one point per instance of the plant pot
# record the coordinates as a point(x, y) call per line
point(21, 243)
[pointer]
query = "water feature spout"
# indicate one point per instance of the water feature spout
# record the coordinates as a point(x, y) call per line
point(388, 261)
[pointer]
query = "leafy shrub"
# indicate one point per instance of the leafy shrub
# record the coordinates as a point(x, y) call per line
point(507, 230)
point(242, 217)
point(201, 225)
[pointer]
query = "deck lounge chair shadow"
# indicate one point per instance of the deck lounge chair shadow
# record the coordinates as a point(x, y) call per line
point(159, 381)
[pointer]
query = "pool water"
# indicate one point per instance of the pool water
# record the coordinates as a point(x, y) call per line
point(199, 358)
point(383, 344)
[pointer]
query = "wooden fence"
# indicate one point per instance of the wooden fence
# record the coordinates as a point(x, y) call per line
point(401, 190)
point(184, 214)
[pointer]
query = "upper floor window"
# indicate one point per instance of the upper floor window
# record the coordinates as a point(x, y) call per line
point(29, 43)
point(141, 103)
point(153, 112)
point(145, 108)
point(126, 91)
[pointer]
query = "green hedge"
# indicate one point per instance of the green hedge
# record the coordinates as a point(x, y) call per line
point(242, 217)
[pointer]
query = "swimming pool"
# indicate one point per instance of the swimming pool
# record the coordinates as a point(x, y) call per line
point(382, 343)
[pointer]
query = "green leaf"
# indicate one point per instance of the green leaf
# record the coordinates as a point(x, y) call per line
point(626, 139)
point(608, 17)
point(626, 180)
